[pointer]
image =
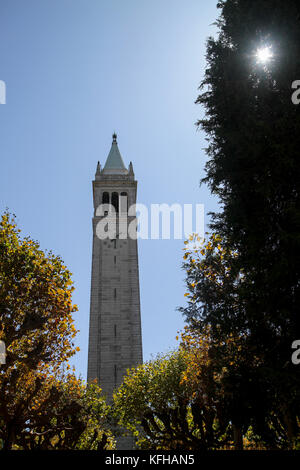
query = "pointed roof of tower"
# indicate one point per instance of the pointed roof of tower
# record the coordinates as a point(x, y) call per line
point(114, 160)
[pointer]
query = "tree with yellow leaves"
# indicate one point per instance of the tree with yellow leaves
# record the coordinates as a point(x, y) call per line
point(214, 373)
point(218, 293)
point(213, 287)
point(160, 403)
point(64, 414)
point(40, 407)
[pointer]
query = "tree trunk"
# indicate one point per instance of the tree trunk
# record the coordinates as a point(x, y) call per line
point(238, 438)
point(9, 439)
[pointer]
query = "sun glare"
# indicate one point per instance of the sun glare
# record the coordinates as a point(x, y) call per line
point(264, 55)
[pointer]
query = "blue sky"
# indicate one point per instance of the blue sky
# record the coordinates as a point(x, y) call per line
point(75, 71)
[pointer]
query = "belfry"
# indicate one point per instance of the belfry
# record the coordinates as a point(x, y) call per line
point(115, 339)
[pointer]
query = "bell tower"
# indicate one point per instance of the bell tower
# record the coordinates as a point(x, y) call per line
point(115, 339)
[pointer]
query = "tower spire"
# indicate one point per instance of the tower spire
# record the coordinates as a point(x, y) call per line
point(114, 162)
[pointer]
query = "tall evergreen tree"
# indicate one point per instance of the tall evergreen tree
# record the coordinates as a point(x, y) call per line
point(254, 168)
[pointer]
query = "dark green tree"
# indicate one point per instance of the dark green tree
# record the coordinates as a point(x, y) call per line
point(253, 128)
point(253, 166)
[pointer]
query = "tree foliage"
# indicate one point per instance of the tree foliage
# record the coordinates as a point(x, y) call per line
point(195, 398)
point(63, 414)
point(253, 130)
point(40, 406)
point(156, 404)
point(252, 399)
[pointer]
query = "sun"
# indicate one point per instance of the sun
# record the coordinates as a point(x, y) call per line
point(264, 55)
